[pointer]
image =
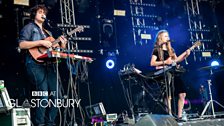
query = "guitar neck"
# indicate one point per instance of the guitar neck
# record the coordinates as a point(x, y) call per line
point(56, 41)
point(68, 34)
point(192, 47)
point(198, 43)
point(183, 55)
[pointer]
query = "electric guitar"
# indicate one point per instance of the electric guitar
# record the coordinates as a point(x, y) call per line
point(39, 51)
point(196, 44)
point(170, 67)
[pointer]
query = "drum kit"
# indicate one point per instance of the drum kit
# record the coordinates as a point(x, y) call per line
point(210, 103)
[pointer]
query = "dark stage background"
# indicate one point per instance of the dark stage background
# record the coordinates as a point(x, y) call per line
point(104, 83)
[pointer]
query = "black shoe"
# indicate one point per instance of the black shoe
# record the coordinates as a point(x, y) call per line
point(180, 119)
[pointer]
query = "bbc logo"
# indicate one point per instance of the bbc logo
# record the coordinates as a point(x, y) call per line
point(39, 93)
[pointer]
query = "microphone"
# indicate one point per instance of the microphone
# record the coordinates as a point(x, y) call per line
point(44, 17)
point(167, 42)
point(159, 46)
point(47, 20)
point(170, 41)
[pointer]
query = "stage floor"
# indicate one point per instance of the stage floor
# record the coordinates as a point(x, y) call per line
point(203, 122)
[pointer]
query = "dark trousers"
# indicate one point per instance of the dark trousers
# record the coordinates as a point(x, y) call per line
point(43, 78)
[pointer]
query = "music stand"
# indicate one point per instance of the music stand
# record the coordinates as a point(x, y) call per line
point(210, 102)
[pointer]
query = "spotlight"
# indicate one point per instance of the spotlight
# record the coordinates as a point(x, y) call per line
point(215, 63)
point(111, 60)
point(110, 64)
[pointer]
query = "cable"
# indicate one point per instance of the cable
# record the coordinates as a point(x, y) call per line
point(126, 94)
point(60, 116)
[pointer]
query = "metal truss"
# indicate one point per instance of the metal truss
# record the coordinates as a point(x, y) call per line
point(68, 23)
point(197, 28)
point(67, 12)
point(140, 19)
point(68, 18)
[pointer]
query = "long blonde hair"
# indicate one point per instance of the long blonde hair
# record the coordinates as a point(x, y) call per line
point(160, 50)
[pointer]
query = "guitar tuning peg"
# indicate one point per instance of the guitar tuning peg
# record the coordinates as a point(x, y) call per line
point(186, 61)
point(133, 65)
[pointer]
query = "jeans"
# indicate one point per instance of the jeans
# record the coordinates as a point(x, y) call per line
point(43, 78)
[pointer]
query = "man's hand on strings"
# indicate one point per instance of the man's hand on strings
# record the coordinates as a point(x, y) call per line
point(63, 40)
point(45, 43)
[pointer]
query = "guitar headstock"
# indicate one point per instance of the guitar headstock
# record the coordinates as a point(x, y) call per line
point(79, 29)
point(197, 43)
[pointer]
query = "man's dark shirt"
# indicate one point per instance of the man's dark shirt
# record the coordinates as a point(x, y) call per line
point(31, 32)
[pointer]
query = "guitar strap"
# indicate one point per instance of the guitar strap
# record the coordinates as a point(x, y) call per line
point(48, 32)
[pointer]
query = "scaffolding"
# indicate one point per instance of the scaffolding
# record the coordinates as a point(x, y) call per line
point(143, 20)
point(68, 21)
point(197, 30)
point(67, 12)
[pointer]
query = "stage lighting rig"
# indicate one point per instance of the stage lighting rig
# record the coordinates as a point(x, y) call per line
point(108, 27)
point(215, 63)
point(21, 2)
point(111, 60)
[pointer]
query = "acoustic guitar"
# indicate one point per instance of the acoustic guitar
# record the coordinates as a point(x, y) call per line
point(39, 51)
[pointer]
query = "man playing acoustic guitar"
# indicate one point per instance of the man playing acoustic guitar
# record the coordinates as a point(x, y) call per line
point(42, 75)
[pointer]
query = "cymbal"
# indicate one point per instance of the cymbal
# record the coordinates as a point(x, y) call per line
point(220, 67)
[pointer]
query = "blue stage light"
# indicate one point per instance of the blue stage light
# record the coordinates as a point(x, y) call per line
point(214, 63)
point(110, 64)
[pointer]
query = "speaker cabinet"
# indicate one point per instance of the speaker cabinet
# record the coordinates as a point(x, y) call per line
point(16, 117)
point(157, 120)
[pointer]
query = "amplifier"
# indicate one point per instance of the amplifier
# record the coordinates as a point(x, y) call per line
point(96, 110)
point(21, 117)
point(5, 103)
point(16, 117)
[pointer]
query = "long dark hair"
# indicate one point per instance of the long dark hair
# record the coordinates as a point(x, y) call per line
point(160, 50)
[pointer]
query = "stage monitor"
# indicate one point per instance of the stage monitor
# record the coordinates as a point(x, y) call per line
point(95, 110)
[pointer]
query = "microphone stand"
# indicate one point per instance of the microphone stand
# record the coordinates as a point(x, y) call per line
point(167, 84)
point(72, 84)
point(48, 23)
